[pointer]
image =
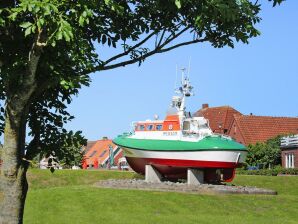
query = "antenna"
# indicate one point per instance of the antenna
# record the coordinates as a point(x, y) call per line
point(188, 72)
point(175, 86)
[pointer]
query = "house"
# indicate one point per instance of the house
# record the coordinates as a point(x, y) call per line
point(220, 118)
point(44, 163)
point(250, 129)
point(247, 129)
point(289, 151)
point(97, 153)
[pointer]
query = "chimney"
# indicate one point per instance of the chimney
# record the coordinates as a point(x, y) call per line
point(205, 105)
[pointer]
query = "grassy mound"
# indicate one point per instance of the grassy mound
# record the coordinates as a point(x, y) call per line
point(69, 197)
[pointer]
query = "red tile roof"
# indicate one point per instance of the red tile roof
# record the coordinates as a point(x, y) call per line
point(89, 145)
point(220, 118)
point(98, 150)
point(261, 128)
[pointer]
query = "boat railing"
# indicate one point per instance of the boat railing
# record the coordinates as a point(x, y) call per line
point(193, 134)
point(223, 136)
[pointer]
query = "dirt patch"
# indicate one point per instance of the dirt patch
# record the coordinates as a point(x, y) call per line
point(183, 187)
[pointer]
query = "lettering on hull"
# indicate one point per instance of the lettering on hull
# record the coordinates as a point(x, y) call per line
point(170, 133)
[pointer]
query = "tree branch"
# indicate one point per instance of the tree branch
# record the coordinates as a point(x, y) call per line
point(160, 40)
point(158, 49)
point(183, 44)
point(155, 51)
point(130, 49)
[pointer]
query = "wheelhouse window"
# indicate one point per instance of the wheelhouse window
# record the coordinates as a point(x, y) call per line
point(141, 127)
point(149, 127)
point(186, 125)
point(158, 127)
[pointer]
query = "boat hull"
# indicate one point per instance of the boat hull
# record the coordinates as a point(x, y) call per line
point(174, 164)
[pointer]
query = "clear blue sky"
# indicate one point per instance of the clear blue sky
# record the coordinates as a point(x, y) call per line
point(259, 78)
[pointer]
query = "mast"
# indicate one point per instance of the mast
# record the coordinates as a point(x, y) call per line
point(185, 90)
point(177, 106)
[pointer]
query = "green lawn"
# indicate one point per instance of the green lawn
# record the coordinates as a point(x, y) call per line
point(69, 197)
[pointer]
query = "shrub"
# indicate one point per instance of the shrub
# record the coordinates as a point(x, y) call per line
point(269, 172)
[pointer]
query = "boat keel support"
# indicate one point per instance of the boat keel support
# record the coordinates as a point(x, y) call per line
point(152, 175)
point(195, 176)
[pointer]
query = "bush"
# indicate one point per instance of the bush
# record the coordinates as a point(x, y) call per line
point(267, 154)
point(269, 172)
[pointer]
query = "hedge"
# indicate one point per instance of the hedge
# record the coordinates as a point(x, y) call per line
point(269, 172)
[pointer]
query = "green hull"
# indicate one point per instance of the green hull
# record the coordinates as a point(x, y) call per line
point(210, 143)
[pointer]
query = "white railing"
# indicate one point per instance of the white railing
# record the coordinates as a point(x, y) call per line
point(289, 141)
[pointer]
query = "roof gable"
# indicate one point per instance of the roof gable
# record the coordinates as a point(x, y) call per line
point(220, 118)
point(99, 151)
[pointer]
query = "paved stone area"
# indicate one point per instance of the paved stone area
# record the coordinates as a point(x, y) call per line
point(183, 187)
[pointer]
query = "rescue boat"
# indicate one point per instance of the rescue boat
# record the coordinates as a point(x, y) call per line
point(180, 142)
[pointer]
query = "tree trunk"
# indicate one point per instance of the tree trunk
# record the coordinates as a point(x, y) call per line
point(13, 182)
point(13, 191)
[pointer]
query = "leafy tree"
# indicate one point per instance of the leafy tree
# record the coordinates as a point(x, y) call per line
point(48, 48)
point(70, 151)
point(267, 154)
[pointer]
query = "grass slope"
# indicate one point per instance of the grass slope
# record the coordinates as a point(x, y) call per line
point(69, 197)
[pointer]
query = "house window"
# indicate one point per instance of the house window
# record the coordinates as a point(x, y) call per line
point(93, 153)
point(290, 160)
point(158, 127)
point(170, 127)
point(104, 152)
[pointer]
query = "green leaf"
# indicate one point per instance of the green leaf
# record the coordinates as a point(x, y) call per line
point(81, 21)
point(28, 31)
point(53, 43)
point(70, 34)
point(55, 9)
point(33, 28)
point(178, 3)
point(13, 16)
point(47, 10)
point(30, 7)
point(66, 36)
point(59, 35)
point(41, 21)
point(26, 25)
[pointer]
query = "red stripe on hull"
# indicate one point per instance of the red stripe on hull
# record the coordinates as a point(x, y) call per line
point(175, 169)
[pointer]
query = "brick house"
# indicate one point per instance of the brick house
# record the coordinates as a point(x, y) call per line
point(220, 118)
point(250, 129)
point(247, 129)
point(289, 151)
point(97, 153)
